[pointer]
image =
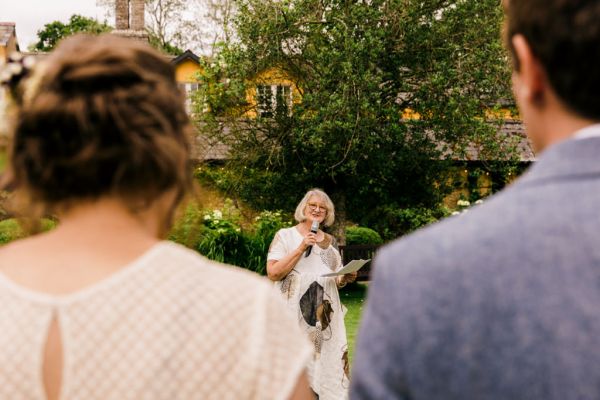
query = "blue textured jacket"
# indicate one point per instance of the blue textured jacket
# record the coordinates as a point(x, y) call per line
point(502, 302)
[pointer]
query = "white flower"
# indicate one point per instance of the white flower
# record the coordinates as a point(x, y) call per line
point(455, 213)
point(206, 217)
point(463, 203)
point(217, 214)
point(479, 201)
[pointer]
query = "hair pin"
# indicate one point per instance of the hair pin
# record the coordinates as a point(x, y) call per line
point(17, 68)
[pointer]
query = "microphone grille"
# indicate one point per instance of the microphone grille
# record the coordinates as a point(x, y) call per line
point(315, 226)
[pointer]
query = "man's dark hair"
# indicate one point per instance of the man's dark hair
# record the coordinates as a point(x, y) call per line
point(564, 35)
point(104, 118)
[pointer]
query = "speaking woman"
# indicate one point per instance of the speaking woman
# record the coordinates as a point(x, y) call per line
point(298, 258)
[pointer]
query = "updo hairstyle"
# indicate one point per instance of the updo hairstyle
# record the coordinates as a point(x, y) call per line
point(104, 117)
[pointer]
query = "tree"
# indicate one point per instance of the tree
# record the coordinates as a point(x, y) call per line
point(174, 25)
point(217, 23)
point(53, 32)
point(358, 65)
point(165, 24)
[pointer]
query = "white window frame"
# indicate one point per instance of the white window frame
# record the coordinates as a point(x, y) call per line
point(267, 109)
point(189, 88)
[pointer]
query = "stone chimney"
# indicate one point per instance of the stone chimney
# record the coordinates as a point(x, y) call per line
point(122, 14)
point(137, 15)
point(129, 19)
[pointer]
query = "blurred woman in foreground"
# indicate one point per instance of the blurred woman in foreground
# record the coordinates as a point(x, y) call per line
point(101, 307)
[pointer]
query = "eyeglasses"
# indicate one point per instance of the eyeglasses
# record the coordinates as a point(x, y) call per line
point(315, 206)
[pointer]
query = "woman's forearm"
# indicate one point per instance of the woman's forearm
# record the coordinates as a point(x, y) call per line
point(277, 270)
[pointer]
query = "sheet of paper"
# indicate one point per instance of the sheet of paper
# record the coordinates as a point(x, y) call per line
point(352, 266)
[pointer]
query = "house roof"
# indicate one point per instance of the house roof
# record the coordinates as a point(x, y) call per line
point(208, 148)
point(7, 31)
point(514, 141)
point(516, 130)
point(186, 55)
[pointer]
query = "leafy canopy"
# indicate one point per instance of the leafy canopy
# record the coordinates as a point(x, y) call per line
point(53, 32)
point(383, 90)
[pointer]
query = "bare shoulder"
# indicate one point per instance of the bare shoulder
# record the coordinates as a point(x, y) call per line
point(25, 251)
point(29, 262)
point(197, 266)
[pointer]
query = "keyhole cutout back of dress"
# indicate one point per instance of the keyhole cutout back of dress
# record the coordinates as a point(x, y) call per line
point(52, 366)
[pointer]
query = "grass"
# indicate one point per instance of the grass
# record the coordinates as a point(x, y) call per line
point(353, 297)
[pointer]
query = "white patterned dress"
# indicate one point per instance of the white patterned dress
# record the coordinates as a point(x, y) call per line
point(171, 325)
point(315, 302)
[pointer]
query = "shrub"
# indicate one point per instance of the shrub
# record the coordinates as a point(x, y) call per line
point(11, 229)
point(265, 227)
point(362, 235)
point(187, 225)
point(393, 222)
point(221, 239)
point(219, 236)
point(225, 244)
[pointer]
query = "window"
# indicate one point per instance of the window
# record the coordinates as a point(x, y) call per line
point(273, 100)
point(188, 88)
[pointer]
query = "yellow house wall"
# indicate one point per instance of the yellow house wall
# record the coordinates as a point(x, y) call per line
point(10, 48)
point(503, 113)
point(460, 180)
point(187, 71)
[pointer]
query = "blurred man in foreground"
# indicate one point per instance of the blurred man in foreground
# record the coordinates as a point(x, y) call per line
point(503, 302)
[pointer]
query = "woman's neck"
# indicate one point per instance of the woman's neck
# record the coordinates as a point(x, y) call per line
point(91, 241)
point(106, 218)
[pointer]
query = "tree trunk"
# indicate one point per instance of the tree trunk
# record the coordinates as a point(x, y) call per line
point(338, 229)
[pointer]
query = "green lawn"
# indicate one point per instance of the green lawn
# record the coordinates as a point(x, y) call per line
point(353, 297)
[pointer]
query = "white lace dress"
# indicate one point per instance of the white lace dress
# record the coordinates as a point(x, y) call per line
point(315, 302)
point(171, 325)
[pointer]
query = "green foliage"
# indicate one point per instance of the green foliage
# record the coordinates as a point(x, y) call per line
point(393, 222)
point(11, 229)
point(187, 225)
point(357, 66)
point(219, 235)
point(3, 160)
point(265, 227)
point(222, 240)
point(498, 173)
point(162, 45)
point(362, 235)
point(53, 32)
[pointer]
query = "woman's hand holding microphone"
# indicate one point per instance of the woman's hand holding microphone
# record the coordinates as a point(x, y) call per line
point(309, 239)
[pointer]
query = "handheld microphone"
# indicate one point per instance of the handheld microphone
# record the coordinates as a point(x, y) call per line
point(314, 228)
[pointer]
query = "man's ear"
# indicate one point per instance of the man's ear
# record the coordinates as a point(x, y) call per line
point(530, 80)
